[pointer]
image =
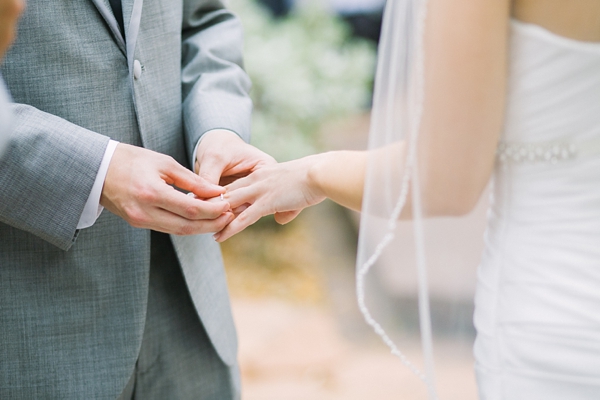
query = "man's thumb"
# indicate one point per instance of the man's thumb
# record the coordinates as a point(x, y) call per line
point(210, 170)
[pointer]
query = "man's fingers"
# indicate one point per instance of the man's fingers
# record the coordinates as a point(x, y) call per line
point(206, 226)
point(241, 222)
point(165, 221)
point(190, 208)
point(138, 187)
point(168, 222)
point(211, 168)
point(286, 216)
point(185, 179)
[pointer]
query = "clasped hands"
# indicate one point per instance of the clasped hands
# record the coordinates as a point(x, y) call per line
point(230, 186)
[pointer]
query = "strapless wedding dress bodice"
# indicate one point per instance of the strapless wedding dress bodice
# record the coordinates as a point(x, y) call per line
point(538, 299)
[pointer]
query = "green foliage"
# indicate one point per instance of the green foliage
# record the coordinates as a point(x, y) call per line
point(305, 71)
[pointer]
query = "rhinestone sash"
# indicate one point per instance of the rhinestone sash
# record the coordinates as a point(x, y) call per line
point(546, 152)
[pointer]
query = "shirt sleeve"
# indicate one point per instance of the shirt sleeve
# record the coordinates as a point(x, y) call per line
point(93, 209)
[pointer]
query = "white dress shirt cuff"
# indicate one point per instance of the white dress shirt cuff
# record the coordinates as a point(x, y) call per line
point(93, 209)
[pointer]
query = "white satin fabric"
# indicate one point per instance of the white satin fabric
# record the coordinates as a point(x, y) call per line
point(538, 299)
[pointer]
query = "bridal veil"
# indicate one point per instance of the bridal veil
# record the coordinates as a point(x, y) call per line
point(415, 275)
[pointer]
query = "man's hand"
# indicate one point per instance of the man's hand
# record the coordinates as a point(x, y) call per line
point(223, 157)
point(10, 10)
point(138, 189)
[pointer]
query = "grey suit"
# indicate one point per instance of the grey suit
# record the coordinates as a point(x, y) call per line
point(5, 117)
point(73, 303)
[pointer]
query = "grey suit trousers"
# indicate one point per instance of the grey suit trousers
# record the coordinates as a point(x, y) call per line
point(176, 359)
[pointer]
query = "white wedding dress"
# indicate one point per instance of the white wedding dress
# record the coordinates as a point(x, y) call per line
point(538, 299)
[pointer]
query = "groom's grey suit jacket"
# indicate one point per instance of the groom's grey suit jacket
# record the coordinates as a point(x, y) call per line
point(72, 303)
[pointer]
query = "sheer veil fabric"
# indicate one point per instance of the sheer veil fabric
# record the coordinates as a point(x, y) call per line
point(415, 279)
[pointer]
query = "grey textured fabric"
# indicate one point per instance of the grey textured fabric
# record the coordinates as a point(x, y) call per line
point(127, 393)
point(5, 117)
point(73, 303)
point(190, 368)
point(176, 359)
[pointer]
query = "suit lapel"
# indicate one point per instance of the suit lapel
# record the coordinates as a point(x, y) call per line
point(132, 17)
point(105, 10)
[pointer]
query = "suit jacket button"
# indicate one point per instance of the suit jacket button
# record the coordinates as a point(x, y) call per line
point(137, 70)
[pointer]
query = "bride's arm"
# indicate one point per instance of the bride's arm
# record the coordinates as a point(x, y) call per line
point(466, 47)
point(465, 83)
point(340, 176)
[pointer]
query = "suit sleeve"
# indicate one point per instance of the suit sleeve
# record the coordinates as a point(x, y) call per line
point(214, 85)
point(47, 174)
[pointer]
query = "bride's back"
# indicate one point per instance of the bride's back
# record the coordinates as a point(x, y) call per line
point(575, 19)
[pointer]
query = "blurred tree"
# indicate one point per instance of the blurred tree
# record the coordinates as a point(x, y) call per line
point(305, 71)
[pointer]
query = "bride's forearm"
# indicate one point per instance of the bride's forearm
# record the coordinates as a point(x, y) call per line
point(340, 176)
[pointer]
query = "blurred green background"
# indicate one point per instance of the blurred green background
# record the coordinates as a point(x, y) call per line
point(306, 70)
point(312, 83)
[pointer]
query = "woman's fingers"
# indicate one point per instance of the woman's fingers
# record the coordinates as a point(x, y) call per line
point(286, 216)
point(241, 222)
point(282, 190)
point(244, 195)
point(240, 209)
point(242, 182)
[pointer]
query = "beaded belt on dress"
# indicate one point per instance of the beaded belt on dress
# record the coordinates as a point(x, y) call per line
point(546, 152)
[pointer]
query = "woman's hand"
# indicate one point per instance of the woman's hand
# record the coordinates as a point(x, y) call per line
point(282, 189)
